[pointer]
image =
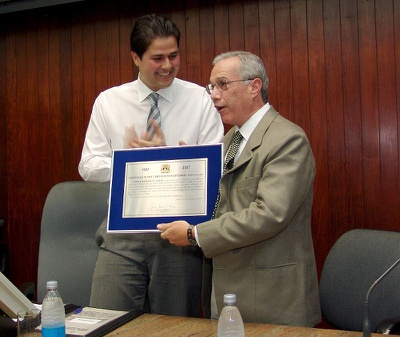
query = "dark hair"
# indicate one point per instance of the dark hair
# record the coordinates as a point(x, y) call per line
point(147, 28)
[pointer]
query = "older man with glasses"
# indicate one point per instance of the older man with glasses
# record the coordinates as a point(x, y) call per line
point(260, 240)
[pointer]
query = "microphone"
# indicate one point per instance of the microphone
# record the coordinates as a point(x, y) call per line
point(366, 322)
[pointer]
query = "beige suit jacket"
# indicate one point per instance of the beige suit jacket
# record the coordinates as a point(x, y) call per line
point(260, 242)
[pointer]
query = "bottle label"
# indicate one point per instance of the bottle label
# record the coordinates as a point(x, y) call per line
point(54, 332)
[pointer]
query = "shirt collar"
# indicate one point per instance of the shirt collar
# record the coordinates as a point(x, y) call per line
point(145, 91)
point(247, 128)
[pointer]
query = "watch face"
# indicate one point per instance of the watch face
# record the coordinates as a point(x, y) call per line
point(193, 242)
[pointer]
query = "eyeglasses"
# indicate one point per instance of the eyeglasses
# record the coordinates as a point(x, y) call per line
point(222, 85)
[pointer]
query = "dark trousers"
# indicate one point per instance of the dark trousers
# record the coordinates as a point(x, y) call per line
point(142, 272)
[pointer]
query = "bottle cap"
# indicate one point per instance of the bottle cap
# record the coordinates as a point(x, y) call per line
point(230, 298)
point(52, 284)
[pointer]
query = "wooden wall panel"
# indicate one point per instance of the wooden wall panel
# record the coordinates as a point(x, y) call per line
point(301, 94)
point(236, 26)
point(268, 43)
point(3, 151)
point(207, 41)
point(335, 115)
point(251, 27)
point(221, 24)
point(112, 41)
point(88, 70)
point(78, 84)
point(352, 117)
point(333, 69)
point(125, 63)
point(372, 192)
point(3, 124)
point(283, 101)
point(181, 20)
point(396, 20)
point(54, 130)
point(66, 95)
point(193, 46)
point(388, 130)
point(325, 231)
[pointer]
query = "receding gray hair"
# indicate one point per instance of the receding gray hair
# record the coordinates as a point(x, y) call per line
point(251, 67)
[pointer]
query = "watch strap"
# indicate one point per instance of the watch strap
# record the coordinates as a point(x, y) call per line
point(191, 236)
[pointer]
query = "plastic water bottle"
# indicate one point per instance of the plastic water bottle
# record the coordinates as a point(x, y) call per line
point(230, 321)
point(53, 312)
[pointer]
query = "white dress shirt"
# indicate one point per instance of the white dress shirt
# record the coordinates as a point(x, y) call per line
point(247, 128)
point(187, 113)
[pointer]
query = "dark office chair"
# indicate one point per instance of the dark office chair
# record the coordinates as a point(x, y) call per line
point(71, 215)
point(356, 260)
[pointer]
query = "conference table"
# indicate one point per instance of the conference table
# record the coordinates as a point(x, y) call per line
point(150, 325)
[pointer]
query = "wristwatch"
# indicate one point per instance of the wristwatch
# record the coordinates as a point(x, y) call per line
point(190, 235)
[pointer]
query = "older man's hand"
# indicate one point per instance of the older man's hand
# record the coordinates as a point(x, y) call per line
point(175, 232)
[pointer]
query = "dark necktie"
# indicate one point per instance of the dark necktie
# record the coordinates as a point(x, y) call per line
point(154, 114)
point(233, 149)
point(229, 160)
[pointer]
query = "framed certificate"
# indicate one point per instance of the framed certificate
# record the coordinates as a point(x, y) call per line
point(162, 184)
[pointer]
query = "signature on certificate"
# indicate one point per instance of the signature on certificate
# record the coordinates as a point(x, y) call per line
point(162, 208)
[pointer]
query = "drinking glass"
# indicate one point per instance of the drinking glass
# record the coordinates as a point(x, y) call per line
point(28, 321)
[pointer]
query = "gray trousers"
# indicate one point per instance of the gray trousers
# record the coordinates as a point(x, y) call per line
point(143, 272)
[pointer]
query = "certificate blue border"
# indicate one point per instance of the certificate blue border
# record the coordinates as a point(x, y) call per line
point(116, 223)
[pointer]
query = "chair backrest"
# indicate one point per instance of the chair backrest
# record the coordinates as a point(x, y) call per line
point(353, 264)
point(68, 252)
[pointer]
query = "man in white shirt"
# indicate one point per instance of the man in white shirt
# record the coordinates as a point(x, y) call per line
point(142, 271)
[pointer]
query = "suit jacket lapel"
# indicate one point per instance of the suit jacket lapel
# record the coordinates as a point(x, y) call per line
point(254, 140)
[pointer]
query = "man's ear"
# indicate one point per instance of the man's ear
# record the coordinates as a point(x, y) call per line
point(135, 58)
point(256, 86)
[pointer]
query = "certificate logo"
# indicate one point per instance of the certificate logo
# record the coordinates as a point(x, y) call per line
point(165, 168)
